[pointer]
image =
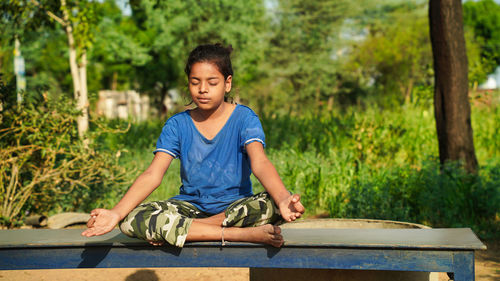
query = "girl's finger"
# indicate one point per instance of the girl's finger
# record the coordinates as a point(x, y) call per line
point(88, 233)
point(299, 207)
point(90, 222)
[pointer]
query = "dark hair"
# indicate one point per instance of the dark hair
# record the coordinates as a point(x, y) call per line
point(216, 54)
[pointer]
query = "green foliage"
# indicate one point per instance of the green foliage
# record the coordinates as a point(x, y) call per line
point(137, 136)
point(17, 19)
point(18, 16)
point(383, 164)
point(39, 47)
point(396, 55)
point(137, 161)
point(300, 70)
point(364, 132)
point(291, 57)
point(83, 17)
point(478, 65)
point(485, 120)
point(172, 29)
point(394, 60)
point(43, 41)
point(45, 167)
point(448, 197)
point(117, 51)
point(484, 18)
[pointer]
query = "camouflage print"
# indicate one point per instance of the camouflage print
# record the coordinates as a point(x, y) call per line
point(170, 220)
point(255, 210)
point(167, 220)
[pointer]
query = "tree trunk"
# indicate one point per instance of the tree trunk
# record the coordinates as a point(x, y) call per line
point(78, 75)
point(451, 103)
point(73, 65)
point(114, 81)
point(330, 103)
point(83, 100)
point(409, 90)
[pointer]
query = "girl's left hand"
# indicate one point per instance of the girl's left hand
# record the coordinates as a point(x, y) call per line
point(291, 208)
point(101, 221)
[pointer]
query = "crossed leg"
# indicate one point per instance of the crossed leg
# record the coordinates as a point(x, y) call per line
point(173, 221)
point(210, 229)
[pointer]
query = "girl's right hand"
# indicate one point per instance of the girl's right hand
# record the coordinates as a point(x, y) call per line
point(101, 222)
point(291, 208)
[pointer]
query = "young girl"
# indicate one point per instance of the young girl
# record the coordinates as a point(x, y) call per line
point(219, 144)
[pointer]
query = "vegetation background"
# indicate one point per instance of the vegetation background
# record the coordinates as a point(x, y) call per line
point(343, 88)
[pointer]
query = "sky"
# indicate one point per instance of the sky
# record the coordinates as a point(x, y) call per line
point(125, 7)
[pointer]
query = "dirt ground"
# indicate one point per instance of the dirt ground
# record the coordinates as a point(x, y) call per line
point(128, 274)
point(487, 269)
point(488, 262)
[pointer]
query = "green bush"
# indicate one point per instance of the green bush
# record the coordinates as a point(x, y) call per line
point(439, 197)
point(135, 136)
point(46, 168)
point(374, 136)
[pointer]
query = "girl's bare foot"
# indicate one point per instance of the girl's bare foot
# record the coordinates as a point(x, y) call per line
point(272, 235)
point(267, 234)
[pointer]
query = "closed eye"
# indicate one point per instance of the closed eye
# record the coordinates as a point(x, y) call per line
point(213, 81)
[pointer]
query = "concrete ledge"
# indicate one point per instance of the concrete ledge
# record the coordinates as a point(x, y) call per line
point(425, 250)
point(446, 238)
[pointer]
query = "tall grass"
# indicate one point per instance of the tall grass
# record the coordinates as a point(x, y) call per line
point(368, 163)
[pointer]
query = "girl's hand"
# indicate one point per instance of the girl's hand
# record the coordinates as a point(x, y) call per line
point(101, 222)
point(291, 208)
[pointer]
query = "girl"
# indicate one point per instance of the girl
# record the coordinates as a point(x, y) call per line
point(219, 144)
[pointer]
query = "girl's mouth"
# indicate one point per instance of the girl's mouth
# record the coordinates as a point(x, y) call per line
point(203, 100)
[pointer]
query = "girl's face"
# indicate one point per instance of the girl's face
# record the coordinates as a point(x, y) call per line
point(208, 86)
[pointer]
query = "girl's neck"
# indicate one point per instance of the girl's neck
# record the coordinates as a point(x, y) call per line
point(220, 111)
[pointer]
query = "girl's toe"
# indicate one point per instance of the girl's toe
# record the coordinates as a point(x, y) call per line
point(277, 229)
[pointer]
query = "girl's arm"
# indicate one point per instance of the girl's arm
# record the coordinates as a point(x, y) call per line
point(103, 221)
point(289, 205)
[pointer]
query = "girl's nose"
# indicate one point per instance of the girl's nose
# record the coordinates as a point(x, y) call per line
point(203, 87)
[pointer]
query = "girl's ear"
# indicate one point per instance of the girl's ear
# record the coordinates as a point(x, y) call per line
point(228, 83)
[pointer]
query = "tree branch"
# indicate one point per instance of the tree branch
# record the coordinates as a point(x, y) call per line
point(50, 14)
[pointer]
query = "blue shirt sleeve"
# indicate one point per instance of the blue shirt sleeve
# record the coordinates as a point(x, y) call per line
point(252, 130)
point(168, 141)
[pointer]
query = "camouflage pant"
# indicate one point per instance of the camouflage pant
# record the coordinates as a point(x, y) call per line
point(170, 220)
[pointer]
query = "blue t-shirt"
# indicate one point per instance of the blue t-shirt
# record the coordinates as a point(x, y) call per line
point(214, 172)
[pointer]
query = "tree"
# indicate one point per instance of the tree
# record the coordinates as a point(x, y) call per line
point(171, 29)
point(395, 55)
point(17, 20)
point(451, 103)
point(117, 52)
point(301, 54)
point(77, 20)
